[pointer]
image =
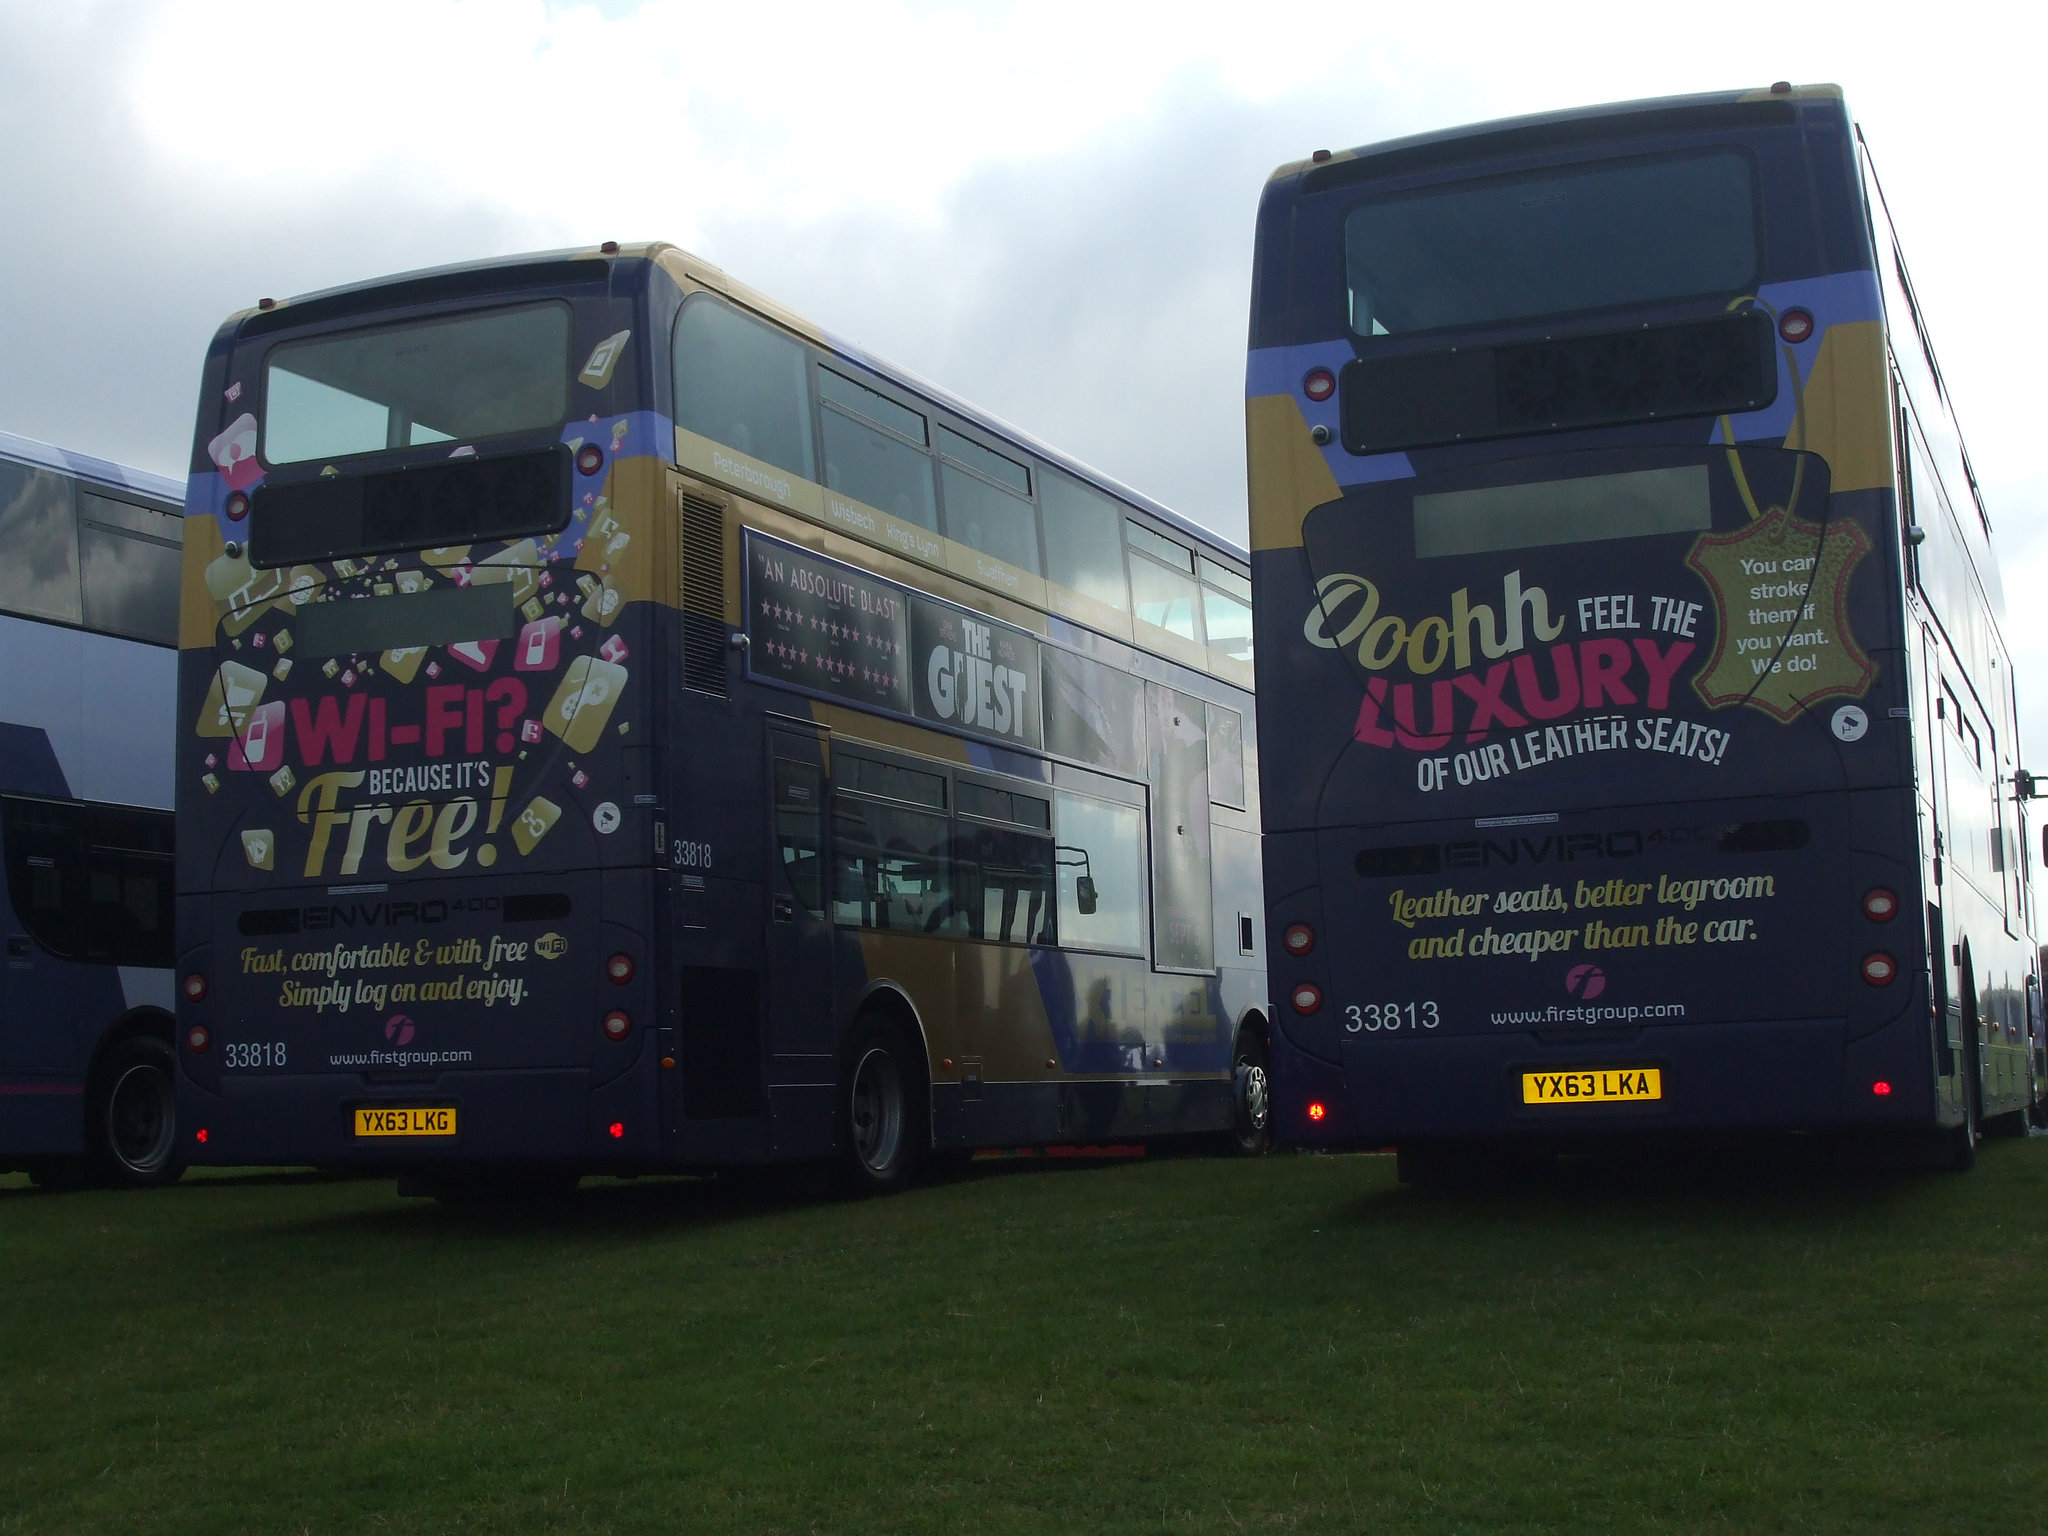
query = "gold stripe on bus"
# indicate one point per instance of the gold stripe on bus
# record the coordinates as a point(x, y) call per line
point(1287, 475)
point(1848, 408)
point(748, 475)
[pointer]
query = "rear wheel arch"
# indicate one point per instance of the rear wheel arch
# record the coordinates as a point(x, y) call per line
point(888, 1000)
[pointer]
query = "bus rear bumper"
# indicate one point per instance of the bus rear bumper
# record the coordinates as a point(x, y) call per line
point(1801, 1074)
point(537, 1116)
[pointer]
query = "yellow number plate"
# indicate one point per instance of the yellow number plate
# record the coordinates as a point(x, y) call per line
point(1601, 1085)
point(405, 1121)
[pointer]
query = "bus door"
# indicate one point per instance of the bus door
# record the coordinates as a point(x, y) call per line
point(798, 959)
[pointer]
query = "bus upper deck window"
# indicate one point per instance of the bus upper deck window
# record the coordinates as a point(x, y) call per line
point(876, 451)
point(38, 543)
point(130, 559)
point(395, 386)
point(1613, 233)
point(1161, 594)
point(742, 384)
point(988, 503)
point(1227, 610)
point(1082, 550)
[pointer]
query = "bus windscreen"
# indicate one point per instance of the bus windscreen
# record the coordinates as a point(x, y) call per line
point(1616, 233)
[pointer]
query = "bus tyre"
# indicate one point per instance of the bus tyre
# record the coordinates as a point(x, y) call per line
point(132, 1124)
point(882, 1110)
point(1251, 1128)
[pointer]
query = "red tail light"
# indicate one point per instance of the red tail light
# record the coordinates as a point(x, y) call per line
point(1319, 384)
point(619, 969)
point(1307, 997)
point(237, 507)
point(200, 1135)
point(1879, 969)
point(618, 1130)
point(197, 1039)
point(590, 458)
point(1316, 1112)
point(1298, 940)
point(1880, 905)
point(1882, 1090)
point(617, 1026)
point(195, 988)
point(1795, 325)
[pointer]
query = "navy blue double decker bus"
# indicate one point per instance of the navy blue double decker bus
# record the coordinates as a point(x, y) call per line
point(89, 562)
point(1639, 738)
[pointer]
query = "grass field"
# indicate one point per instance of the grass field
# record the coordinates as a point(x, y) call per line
point(1183, 1345)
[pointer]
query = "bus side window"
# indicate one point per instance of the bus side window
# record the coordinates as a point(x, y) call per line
point(1102, 843)
point(988, 501)
point(876, 451)
point(1227, 610)
point(1004, 876)
point(739, 383)
point(891, 864)
point(90, 882)
point(1909, 514)
point(38, 544)
point(1163, 590)
point(799, 820)
point(129, 567)
point(1082, 549)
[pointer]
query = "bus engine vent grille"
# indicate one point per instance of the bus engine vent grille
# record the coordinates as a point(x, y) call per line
point(703, 595)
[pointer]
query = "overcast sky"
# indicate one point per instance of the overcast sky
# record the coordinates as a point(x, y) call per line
point(1046, 207)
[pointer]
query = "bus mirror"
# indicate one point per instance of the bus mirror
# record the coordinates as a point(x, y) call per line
point(1084, 887)
point(1915, 535)
point(2023, 785)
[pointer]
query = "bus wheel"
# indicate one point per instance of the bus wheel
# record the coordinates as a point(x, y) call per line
point(881, 1119)
point(1251, 1129)
point(134, 1124)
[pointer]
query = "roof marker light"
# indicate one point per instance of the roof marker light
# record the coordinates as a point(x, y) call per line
point(1320, 156)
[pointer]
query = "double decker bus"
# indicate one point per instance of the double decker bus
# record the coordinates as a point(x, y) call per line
point(1640, 742)
point(89, 558)
point(624, 728)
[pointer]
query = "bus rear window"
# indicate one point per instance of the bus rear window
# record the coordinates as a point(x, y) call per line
point(402, 386)
point(1614, 234)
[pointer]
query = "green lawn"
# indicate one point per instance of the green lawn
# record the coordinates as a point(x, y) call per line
point(1185, 1345)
